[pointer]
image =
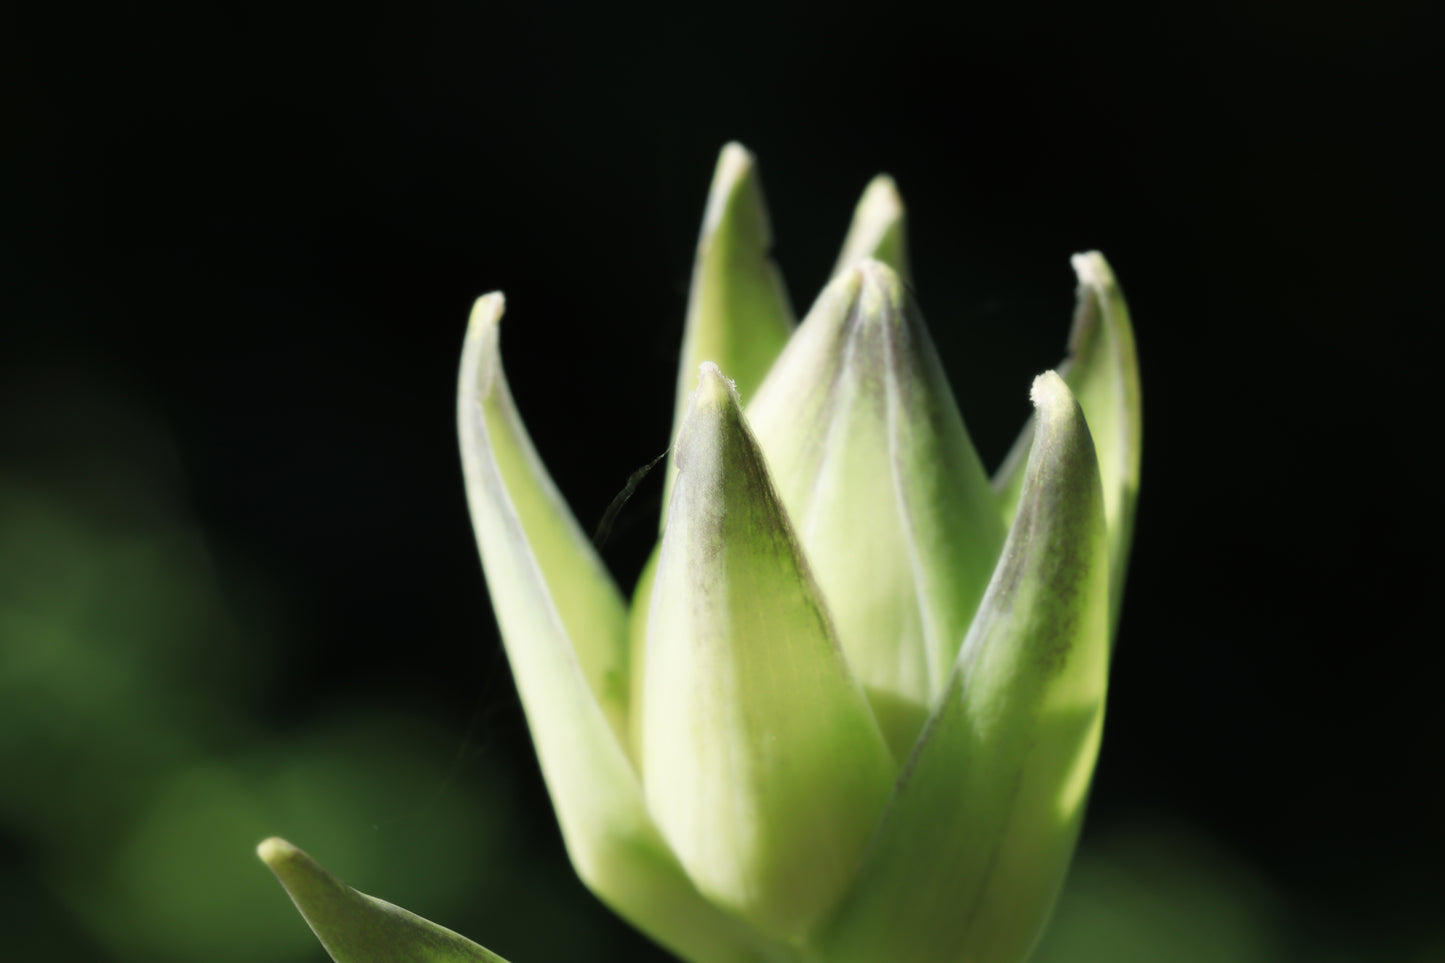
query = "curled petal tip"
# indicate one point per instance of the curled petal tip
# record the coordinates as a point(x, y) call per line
point(480, 354)
point(488, 309)
point(1092, 269)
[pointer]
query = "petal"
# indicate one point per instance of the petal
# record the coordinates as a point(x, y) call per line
point(969, 856)
point(1103, 371)
point(764, 767)
point(565, 632)
point(879, 230)
point(889, 498)
point(738, 314)
point(579, 590)
point(637, 641)
point(356, 928)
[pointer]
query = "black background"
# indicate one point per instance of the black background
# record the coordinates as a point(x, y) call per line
point(266, 228)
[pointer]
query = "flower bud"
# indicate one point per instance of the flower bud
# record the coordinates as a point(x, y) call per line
point(853, 712)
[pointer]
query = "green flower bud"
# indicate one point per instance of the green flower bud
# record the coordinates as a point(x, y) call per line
point(853, 709)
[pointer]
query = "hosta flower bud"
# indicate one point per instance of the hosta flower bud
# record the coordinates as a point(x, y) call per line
point(853, 709)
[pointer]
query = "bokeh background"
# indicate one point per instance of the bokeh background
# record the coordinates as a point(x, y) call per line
point(238, 590)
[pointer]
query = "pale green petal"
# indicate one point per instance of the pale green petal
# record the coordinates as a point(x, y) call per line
point(879, 230)
point(637, 636)
point(592, 611)
point(884, 488)
point(1103, 371)
point(738, 313)
point(565, 633)
point(763, 765)
point(970, 854)
point(356, 928)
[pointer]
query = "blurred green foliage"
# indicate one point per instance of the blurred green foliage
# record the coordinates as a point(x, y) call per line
point(1153, 895)
point(137, 777)
point(1159, 892)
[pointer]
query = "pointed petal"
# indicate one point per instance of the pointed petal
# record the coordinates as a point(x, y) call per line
point(738, 314)
point(969, 856)
point(889, 498)
point(764, 767)
point(879, 230)
point(356, 928)
point(566, 637)
point(572, 577)
point(1103, 371)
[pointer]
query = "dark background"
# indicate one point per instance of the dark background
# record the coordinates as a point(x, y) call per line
point(239, 250)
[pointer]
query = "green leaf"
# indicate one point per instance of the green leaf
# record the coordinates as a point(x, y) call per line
point(762, 762)
point(738, 313)
point(969, 856)
point(1103, 370)
point(879, 230)
point(566, 636)
point(356, 928)
point(884, 488)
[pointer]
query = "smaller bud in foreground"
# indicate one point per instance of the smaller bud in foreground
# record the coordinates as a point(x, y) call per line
point(356, 928)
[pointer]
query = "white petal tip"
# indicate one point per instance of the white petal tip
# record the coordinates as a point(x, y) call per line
point(712, 385)
point(881, 199)
point(1049, 392)
point(1092, 269)
point(733, 157)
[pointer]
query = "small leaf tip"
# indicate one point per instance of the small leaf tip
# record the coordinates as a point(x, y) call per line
point(275, 850)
